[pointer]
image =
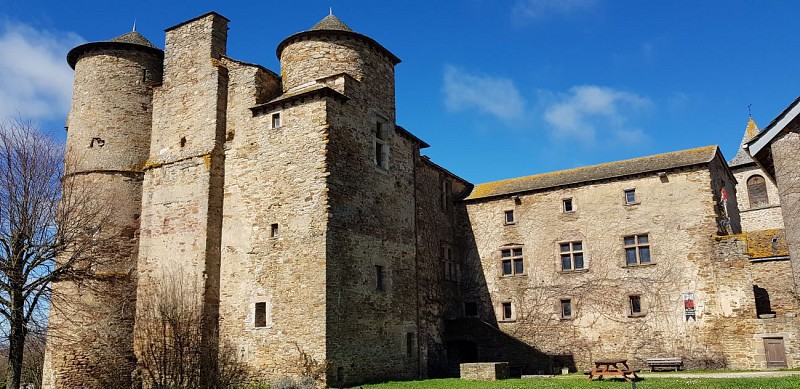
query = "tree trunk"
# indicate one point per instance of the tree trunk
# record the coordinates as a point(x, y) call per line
point(16, 342)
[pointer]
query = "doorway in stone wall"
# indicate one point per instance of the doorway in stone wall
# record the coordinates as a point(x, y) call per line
point(775, 352)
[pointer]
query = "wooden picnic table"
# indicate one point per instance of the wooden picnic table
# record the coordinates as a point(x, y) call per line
point(612, 368)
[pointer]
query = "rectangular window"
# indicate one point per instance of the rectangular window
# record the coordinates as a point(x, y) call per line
point(512, 262)
point(381, 145)
point(379, 284)
point(276, 120)
point(450, 268)
point(470, 309)
point(571, 255)
point(445, 195)
point(509, 217)
point(635, 303)
point(273, 230)
point(567, 205)
point(637, 250)
point(630, 196)
point(261, 315)
point(409, 344)
point(566, 309)
point(507, 311)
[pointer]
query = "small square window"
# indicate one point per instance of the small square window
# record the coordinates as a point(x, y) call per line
point(567, 205)
point(566, 309)
point(506, 311)
point(379, 281)
point(635, 305)
point(630, 196)
point(276, 120)
point(273, 230)
point(471, 309)
point(261, 315)
point(509, 217)
point(512, 262)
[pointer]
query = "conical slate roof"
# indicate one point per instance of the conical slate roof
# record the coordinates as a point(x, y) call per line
point(331, 22)
point(135, 38)
point(742, 157)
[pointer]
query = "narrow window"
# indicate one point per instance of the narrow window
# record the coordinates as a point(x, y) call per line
point(144, 75)
point(261, 315)
point(637, 250)
point(757, 191)
point(566, 309)
point(571, 255)
point(630, 196)
point(567, 205)
point(450, 268)
point(635, 303)
point(512, 262)
point(379, 284)
point(507, 312)
point(276, 120)
point(183, 141)
point(445, 195)
point(471, 309)
point(509, 217)
point(409, 344)
point(273, 230)
point(381, 145)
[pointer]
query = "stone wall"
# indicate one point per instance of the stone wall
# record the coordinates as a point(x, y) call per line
point(761, 218)
point(678, 213)
point(439, 276)
point(786, 158)
point(274, 176)
point(184, 176)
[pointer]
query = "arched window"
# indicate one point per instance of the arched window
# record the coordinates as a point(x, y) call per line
point(757, 190)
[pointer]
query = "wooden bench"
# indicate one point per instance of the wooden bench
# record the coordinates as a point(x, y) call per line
point(673, 363)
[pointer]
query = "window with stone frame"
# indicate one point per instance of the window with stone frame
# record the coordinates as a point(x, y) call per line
point(757, 191)
point(512, 262)
point(567, 205)
point(637, 250)
point(446, 195)
point(382, 144)
point(276, 120)
point(571, 255)
point(635, 305)
point(451, 268)
point(508, 217)
point(566, 308)
point(507, 311)
point(630, 196)
point(260, 315)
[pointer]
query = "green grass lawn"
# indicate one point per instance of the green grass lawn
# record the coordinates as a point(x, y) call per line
point(574, 381)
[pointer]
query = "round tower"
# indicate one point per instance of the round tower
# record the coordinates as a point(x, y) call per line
point(330, 48)
point(108, 141)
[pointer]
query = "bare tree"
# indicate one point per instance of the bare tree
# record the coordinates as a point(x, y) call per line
point(47, 226)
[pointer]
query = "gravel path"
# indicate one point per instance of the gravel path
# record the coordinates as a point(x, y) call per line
point(742, 374)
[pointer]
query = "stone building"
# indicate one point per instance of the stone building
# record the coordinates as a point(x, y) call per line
point(302, 221)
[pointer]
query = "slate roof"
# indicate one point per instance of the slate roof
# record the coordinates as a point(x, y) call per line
point(581, 175)
point(135, 38)
point(742, 157)
point(331, 22)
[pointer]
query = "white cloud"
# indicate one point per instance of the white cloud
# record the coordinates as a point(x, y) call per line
point(536, 9)
point(493, 95)
point(35, 80)
point(589, 111)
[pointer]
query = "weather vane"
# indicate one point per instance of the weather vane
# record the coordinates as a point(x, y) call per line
point(748, 110)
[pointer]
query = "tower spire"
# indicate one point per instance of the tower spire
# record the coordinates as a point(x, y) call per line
point(331, 11)
point(134, 25)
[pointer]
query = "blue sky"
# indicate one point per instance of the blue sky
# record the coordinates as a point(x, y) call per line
point(499, 88)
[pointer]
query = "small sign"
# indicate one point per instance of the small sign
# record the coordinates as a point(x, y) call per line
point(688, 306)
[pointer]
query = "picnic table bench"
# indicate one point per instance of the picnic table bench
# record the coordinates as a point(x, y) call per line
point(612, 368)
point(675, 363)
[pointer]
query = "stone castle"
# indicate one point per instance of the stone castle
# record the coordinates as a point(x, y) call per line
point(305, 221)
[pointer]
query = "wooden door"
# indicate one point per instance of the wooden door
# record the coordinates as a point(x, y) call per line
point(775, 352)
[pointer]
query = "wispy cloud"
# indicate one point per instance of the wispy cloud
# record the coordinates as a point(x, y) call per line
point(537, 9)
point(587, 112)
point(489, 94)
point(35, 80)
